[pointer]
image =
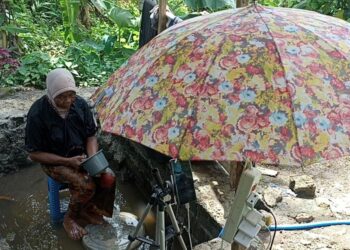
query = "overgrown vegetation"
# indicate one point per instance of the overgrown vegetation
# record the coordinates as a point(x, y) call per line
point(92, 38)
point(337, 8)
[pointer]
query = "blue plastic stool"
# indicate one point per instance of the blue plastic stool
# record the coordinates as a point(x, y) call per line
point(54, 187)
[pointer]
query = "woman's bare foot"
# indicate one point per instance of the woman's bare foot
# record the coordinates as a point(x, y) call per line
point(74, 231)
point(94, 209)
point(91, 218)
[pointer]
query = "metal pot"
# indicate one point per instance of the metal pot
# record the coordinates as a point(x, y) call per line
point(96, 163)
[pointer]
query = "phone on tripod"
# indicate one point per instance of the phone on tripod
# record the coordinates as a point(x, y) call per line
point(183, 182)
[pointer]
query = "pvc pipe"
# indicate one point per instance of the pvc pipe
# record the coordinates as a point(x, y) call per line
point(308, 226)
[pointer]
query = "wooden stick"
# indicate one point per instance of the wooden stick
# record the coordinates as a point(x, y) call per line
point(242, 3)
point(162, 16)
point(235, 176)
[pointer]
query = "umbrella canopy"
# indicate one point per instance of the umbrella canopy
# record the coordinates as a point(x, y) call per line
point(268, 84)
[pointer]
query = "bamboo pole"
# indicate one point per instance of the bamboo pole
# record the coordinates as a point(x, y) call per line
point(242, 3)
point(236, 171)
point(162, 16)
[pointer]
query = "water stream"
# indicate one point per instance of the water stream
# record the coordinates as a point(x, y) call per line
point(24, 215)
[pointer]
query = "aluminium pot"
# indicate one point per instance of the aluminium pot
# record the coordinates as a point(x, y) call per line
point(95, 164)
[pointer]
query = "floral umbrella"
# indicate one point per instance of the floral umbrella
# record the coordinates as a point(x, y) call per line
point(268, 84)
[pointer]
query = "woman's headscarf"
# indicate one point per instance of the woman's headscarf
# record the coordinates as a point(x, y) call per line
point(59, 81)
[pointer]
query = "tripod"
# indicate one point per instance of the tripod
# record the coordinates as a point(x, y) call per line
point(161, 198)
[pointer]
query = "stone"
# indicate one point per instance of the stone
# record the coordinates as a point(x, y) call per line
point(323, 202)
point(305, 242)
point(304, 218)
point(272, 196)
point(304, 186)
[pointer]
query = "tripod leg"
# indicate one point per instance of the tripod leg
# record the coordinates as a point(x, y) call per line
point(157, 236)
point(171, 214)
point(136, 232)
point(161, 229)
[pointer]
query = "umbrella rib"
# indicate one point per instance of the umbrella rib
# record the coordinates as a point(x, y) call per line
point(284, 70)
point(315, 17)
point(301, 26)
point(198, 96)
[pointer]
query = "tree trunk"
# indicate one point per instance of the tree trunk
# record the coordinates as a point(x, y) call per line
point(3, 34)
point(85, 16)
point(236, 171)
point(241, 3)
point(162, 16)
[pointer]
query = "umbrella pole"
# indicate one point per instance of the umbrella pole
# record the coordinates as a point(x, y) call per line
point(242, 3)
point(162, 16)
point(236, 170)
point(236, 246)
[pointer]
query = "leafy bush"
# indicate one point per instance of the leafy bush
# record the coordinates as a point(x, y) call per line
point(8, 64)
point(33, 70)
point(337, 8)
point(93, 62)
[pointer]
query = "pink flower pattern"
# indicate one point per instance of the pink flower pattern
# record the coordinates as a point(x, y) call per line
point(268, 84)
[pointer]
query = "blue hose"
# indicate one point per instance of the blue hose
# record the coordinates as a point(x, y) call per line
point(308, 226)
point(305, 226)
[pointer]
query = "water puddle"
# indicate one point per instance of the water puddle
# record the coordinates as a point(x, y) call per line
point(24, 216)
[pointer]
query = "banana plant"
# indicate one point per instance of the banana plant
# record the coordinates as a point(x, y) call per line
point(122, 17)
point(8, 28)
point(70, 13)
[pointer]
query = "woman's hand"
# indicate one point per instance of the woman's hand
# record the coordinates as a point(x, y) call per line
point(76, 161)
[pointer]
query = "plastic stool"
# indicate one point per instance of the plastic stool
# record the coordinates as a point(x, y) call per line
point(54, 187)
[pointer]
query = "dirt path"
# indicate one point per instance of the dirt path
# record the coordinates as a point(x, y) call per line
point(332, 202)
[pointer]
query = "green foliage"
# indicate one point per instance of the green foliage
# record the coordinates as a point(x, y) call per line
point(47, 34)
point(48, 45)
point(213, 5)
point(120, 16)
point(33, 69)
point(13, 29)
point(8, 64)
point(337, 8)
point(93, 62)
point(273, 3)
point(178, 7)
point(70, 12)
point(46, 10)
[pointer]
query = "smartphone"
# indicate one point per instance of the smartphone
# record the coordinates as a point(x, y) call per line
point(183, 182)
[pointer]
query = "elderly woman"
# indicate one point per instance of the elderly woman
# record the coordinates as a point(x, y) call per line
point(60, 132)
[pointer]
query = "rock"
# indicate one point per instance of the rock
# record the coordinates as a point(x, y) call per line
point(272, 196)
point(304, 218)
point(304, 186)
point(323, 202)
point(305, 242)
